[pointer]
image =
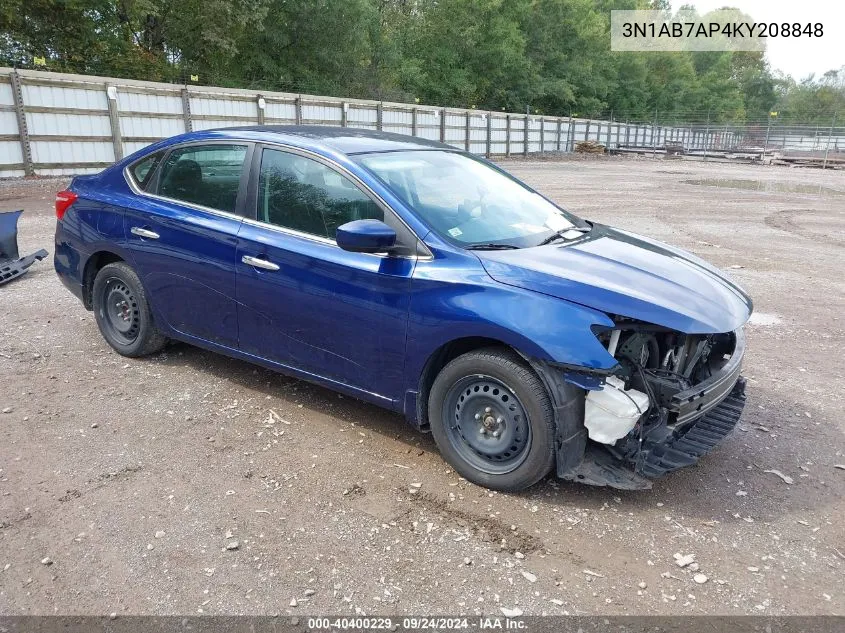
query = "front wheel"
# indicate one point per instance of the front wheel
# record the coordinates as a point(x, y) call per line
point(492, 420)
point(122, 312)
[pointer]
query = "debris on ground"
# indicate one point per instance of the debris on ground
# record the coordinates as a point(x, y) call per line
point(682, 560)
point(786, 478)
point(589, 147)
point(11, 265)
point(529, 576)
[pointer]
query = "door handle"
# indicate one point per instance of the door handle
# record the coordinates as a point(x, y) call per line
point(150, 235)
point(259, 263)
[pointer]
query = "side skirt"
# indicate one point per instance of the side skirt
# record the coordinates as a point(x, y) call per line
point(293, 372)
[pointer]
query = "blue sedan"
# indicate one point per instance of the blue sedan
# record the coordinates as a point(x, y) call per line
point(420, 278)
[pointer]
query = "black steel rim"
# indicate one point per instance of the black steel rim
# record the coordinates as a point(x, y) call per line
point(119, 311)
point(486, 424)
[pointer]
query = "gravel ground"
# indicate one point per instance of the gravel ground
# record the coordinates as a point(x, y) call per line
point(189, 483)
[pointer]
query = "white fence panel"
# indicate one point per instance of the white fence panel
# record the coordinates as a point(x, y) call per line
point(131, 101)
point(221, 107)
point(76, 124)
point(60, 96)
point(322, 114)
point(61, 124)
point(279, 112)
point(140, 126)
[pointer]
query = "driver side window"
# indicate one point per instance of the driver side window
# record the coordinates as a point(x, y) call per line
point(301, 194)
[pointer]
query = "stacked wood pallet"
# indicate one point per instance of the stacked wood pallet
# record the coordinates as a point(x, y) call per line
point(589, 147)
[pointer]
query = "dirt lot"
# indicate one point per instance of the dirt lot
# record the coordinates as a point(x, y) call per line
point(166, 486)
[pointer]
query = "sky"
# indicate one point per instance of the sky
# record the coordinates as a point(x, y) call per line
point(796, 57)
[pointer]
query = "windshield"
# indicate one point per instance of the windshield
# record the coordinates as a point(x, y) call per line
point(466, 200)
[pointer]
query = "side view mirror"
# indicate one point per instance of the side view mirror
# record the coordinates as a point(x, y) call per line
point(366, 236)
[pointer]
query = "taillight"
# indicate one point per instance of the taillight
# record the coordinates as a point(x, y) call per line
point(63, 201)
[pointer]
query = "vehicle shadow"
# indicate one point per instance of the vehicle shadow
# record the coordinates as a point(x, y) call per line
point(705, 492)
point(293, 391)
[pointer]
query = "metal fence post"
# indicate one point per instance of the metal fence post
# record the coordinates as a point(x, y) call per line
point(467, 124)
point(344, 114)
point(829, 135)
point(414, 121)
point(627, 133)
point(23, 132)
point(297, 109)
point(542, 136)
point(114, 122)
point(259, 105)
point(379, 116)
point(569, 134)
point(587, 131)
point(186, 110)
point(525, 130)
point(443, 125)
point(766, 145)
point(508, 135)
point(653, 140)
point(707, 136)
point(489, 134)
point(559, 126)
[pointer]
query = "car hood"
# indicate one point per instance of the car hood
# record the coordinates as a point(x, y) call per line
point(624, 274)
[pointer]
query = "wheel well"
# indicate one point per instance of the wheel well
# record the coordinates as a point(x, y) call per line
point(441, 357)
point(94, 264)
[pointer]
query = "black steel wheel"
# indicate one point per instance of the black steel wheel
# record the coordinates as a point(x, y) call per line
point(489, 428)
point(492, 419)
point(122, 317)
point(122, 312)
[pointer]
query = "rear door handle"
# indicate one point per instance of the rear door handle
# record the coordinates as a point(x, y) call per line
point(150, 235)
point(259, 263)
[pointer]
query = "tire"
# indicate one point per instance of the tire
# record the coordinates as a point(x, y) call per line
point(122, 312)
point(480, 394)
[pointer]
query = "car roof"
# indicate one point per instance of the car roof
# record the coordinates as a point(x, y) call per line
point(344, 140)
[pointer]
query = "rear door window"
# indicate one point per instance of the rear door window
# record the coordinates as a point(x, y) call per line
point(206, 175)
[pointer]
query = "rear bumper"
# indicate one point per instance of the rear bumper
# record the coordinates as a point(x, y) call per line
point(68, 264)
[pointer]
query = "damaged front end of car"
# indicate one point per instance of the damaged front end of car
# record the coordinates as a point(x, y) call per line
point(670, 399)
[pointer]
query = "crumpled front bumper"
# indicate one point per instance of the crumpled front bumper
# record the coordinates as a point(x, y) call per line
point(701, 418)
point(685, 447)
point(600, 467)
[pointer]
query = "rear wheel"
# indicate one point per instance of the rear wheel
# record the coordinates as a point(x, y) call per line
point(122, 312)
point(492, 419)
